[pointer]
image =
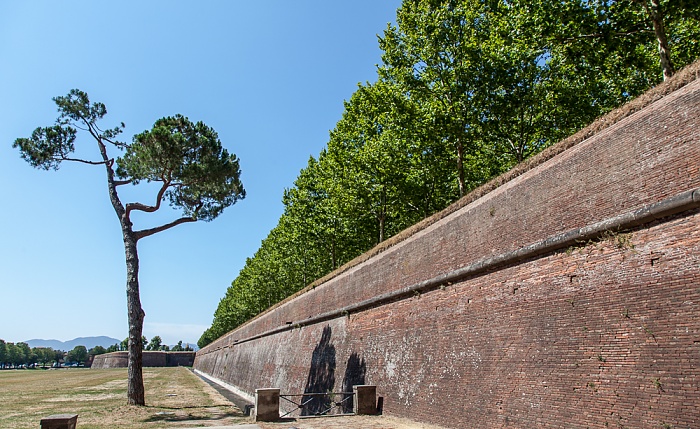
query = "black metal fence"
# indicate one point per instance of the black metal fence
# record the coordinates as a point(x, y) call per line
point(316, 404)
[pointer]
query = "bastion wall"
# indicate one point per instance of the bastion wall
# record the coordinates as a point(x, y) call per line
point(150, 359)
point(564, 294)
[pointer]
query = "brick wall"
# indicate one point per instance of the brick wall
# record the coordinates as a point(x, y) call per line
point(179, 358)
point(599, 334)
point(150, 359)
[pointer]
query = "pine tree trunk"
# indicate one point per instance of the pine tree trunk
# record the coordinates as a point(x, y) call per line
point(135, 314)
point(135, 388)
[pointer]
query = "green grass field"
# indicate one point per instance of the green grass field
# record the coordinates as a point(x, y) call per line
point(175, 397)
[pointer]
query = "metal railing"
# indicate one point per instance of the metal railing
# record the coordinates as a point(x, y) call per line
point(316, 404)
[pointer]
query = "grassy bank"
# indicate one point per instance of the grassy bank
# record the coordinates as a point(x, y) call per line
point(175, 397)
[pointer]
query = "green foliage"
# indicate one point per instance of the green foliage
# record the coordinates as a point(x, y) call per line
point(155, 344)
point(383, 174)
point(45, 355)
point(47, 146)
point(79, 355)
point(3, 353)
point(435, 56)
point(20, 355)
point(97, 350)
point(30, 358)
point(179, 348)
point(197, 174)
point(9, 354)
point(58, 355)
point(14, 355)
point(201, 177)
point(466, 90)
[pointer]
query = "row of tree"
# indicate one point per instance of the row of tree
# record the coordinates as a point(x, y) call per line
point(156, 344)
point(466, 90)
point(20, 355)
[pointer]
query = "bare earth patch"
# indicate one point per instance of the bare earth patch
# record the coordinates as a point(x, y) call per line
point(349, 422)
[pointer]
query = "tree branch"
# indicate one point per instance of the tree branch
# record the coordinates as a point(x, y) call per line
point(84, 161)
point(146, 232)
point(122, 182)
point(91, 129)
point(115, 143)
point(601, 35)
point(145, 208)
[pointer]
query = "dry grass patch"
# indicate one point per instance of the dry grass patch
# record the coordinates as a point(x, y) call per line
point(175, 397)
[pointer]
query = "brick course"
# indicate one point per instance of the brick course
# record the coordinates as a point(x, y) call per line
point(605, 334)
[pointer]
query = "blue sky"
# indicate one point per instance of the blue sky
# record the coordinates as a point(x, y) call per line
point(269, 76)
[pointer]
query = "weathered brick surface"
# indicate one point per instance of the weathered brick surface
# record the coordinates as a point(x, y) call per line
point(571, 340)
point(598, 336)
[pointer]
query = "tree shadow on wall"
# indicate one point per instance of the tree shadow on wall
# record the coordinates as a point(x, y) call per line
point(321, 376)
point(354, 375)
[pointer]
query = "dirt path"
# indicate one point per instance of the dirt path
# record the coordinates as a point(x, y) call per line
point(348, 422)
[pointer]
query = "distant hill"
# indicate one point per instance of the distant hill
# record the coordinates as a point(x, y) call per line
point(88, 342)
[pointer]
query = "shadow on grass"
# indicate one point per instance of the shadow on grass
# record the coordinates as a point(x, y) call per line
point(191, 407)
point(172, 417)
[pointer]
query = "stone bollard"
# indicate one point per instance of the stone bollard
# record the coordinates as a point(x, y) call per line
point(267, 405)
point(59, 421)
point(365, 399)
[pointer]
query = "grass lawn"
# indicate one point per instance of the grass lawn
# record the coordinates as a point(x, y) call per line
point(175, 397)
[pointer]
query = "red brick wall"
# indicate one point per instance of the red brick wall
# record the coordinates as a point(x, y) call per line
point(111, 360)
point(150, 359)
point(601, 335)
point(179, 358)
